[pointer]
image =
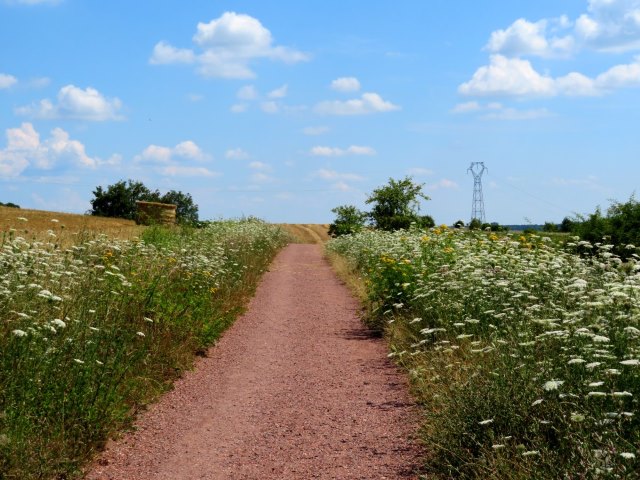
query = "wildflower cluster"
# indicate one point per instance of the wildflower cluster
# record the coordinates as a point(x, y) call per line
point(526, 355)
point(91, 332)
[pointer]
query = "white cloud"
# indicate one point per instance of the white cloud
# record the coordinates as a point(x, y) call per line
point(528, 38)
point(279, 92)
point(610, 25)
point(313, 131)
point(466, 107)
point(320, 151)
point(346, 84)
point(514, 77)
point(326, 174)
point(75, 103)
point(236, 154)
point(7, 80)
point(270, 107)
point(368, 103)
point(165, 54)
point(180, 171)
point(187, 150)
point(260, 166)
point(239, 108)
point(25, 149)
point(248, 92)
point(228, 44)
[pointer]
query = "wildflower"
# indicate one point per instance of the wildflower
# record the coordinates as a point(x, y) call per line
point(78, 361)
point(19, 333)
point(632, 361)
point(22, 219)
point(486, 422)
point(600, 339)
point(552, 385)
point(147, 319)
point(595, 384)
point(596, 394)
point(497, 446)
point(531, 453)
point(140, 334)
point(58, 323)
point(537, 402)
point(573, 361)
point(593, 365)
point(55, 220)
point(628, 455)
point(622, 394)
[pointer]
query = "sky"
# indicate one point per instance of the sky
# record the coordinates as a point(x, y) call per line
point(284, 110)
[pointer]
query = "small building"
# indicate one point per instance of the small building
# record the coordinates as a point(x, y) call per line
point(155, 213)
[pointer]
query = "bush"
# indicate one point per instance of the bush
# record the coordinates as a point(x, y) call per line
point(396, 205)
point(9, 204)
point(348, 220)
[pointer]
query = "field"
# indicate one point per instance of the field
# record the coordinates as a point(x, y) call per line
point(307, 232)
point(95, 326)
point(525, 355)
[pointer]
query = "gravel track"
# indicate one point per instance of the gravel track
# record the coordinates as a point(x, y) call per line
point(295, 389)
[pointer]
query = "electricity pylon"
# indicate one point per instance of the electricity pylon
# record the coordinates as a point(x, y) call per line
point(477, 206)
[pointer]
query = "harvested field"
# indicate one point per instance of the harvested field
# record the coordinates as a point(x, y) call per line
point(307, 232)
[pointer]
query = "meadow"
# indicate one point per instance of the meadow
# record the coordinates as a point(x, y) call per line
point(524, 354)
point(96, 326)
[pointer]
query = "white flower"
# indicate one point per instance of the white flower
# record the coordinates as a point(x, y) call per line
point(596, 394)
point(628, 455)
point(486, 422)
point(147, 319)
point(575, 360)
point(537, 402)
point(497, 446)
point(622, 394)
point(531, 453)
point(596, 384)
point(632, 361)
point(55, 220)
point(552, 385)
point(577, 417)
point(58, 323)
point(593, 365)
point(19, 333)
point(22, 219)
point(600, 339)
point(78, 361)
point(140, 334)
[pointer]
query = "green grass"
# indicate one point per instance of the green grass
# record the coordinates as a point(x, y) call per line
point(525, 355)
point(92, 332)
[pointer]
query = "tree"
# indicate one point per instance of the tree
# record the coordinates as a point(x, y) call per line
point(119, 200)
point(567, 225)
point(186, 210)
point(459, 224)
point(396, 205)
point(348, 220)
point(9, 204)
point(550, 227)
point(475, 224)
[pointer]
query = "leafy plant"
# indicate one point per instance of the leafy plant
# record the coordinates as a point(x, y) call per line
point(348, 220)
point(396, 205)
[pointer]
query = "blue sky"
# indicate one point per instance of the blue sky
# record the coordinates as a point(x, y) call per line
point(287, 109)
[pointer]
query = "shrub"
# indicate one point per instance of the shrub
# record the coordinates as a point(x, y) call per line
point(348, 220)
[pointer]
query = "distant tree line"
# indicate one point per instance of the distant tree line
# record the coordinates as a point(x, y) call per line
point(119, 200)
point(9, 204)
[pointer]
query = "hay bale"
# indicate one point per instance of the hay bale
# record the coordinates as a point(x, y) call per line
point(154, 213)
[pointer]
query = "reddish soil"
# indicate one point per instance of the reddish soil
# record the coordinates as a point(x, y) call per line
point(295, 389)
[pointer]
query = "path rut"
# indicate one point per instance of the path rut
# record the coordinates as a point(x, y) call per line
point(295, 389)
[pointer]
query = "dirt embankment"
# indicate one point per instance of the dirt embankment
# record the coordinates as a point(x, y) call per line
point(296, 389)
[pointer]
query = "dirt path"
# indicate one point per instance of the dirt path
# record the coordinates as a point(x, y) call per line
point(295, 389)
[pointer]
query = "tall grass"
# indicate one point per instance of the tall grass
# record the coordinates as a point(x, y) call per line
point(526, 356)
point(92, 332)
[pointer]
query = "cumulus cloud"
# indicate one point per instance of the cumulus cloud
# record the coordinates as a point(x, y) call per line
point(187, 150)
point(265, 167)
point(368, 103)
point(75, 103)
point(24, 149)
point(346, 84)
point(320, 151)
point(332, 175)
point(7, 81)
point(530, 38)
point(227, 47)
point(515, 77)
point(236, 154)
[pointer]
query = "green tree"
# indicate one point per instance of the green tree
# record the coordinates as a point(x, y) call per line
point(186, 210)
point(475, 224)
point(550, 227)
point(348, 220)
point(396, 205)
point(567, 225)
point(119, 199)
point(459, 224)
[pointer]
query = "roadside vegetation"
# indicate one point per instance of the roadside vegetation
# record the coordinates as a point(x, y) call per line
point(96, 328)
point(524, 354)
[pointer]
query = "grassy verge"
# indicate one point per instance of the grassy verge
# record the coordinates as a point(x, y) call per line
point(92, 332)
point(525, 356)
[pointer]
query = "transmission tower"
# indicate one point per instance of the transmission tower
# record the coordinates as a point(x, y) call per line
point(477, 206)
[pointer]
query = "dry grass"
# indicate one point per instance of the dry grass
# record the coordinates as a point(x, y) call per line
point(308, 232)
point(68, 226)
